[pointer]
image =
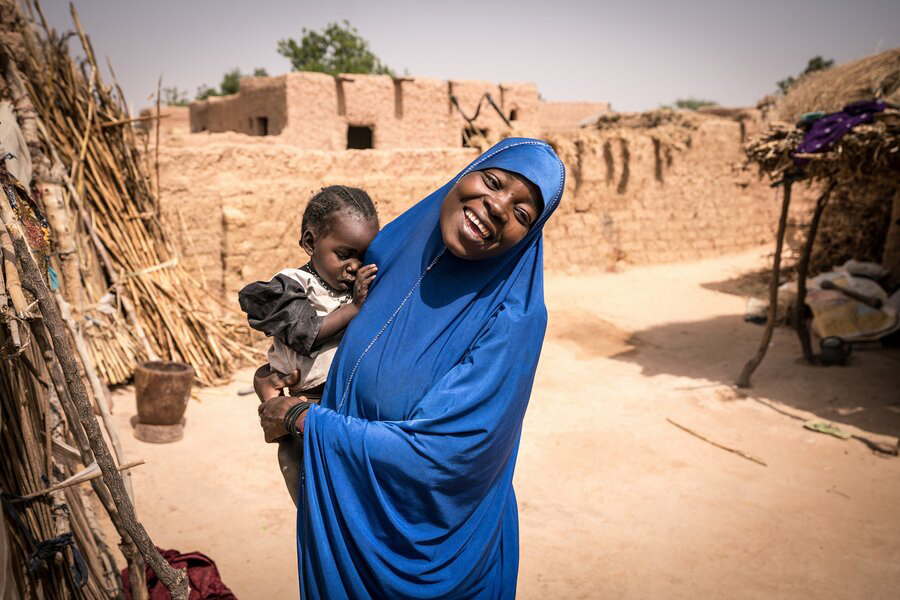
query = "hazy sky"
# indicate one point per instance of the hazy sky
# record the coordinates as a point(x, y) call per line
point(636, 54)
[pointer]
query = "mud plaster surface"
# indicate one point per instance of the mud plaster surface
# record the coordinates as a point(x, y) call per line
point(631, 197)
point(614, 502)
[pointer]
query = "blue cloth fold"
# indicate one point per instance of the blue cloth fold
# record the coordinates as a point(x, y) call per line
point(408, 461)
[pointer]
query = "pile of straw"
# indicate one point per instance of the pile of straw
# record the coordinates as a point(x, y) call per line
point(120, 271)
point(829, 90)
point(92, 287)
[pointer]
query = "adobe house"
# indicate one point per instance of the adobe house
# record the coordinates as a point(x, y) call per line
point(324, 112)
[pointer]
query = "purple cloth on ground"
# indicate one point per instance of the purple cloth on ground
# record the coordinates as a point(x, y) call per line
point(830, 128)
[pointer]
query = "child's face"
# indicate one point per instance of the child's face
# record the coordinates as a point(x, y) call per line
point(338, 254)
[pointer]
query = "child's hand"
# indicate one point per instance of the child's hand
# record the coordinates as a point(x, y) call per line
point(268, 384)
point(364, 278)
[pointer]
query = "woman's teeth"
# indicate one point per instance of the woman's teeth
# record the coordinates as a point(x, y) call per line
point(485, 232)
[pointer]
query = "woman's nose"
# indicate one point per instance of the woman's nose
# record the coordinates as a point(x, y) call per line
point(497, 206)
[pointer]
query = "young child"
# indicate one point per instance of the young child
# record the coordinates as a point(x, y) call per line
point(306, 310)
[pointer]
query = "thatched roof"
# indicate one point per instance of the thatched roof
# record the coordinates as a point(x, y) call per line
point(876, 76)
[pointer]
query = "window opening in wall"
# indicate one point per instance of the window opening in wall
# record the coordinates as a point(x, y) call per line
point(513, 115)
point(262, 125)
point(359, 137)
point(469, 132)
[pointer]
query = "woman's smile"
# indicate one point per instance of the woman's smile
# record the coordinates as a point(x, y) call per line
point(475, 226)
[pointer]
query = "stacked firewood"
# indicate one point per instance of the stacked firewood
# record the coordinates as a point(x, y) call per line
point(118, 267)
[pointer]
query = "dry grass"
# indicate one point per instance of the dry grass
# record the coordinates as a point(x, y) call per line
point(876, 76)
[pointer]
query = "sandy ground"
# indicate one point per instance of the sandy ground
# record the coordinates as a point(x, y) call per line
point(614, 501)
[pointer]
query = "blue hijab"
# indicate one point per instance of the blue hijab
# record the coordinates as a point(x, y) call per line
point(407, 481)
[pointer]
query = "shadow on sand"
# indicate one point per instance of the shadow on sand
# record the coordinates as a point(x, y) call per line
point(864, 394)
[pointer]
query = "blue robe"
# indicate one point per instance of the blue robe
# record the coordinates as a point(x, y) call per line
point(408, 462)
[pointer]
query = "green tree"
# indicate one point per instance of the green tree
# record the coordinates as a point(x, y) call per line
point(816, 63)
point(172, 96)
point(231, 84)
point(336, 49)
point(690, 103)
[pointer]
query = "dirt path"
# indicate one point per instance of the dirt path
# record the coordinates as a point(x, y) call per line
point(614, 501)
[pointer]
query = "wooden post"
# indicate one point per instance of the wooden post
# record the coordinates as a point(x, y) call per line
point(174, 580)
point(744, 379)
point(802, 269)
point(891, 258)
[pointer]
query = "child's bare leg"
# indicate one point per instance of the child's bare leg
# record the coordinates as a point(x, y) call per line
point(290, 461)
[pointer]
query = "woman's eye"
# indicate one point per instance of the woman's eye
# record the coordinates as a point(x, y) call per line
point(524, 217)
point(493, 182)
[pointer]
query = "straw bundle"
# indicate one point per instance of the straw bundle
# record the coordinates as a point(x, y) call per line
point(120, 271)
point(876, 76)
point(865, 152)
point(34, 436)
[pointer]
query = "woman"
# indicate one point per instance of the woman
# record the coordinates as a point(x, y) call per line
point(408, 461)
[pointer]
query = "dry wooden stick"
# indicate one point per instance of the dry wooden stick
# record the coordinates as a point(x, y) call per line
point(740, 453)
point(136, 569)
point(80, 478)
point(744, 379)
point(97, 387)
point(133, 120)
point(156, 153)
point(802, 269)
point(175, 581)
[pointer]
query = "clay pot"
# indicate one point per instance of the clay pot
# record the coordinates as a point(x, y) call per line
point(162, 390)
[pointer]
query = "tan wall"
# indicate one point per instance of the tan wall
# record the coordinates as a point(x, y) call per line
point(468, 93)
point(313, 110)
point(525, 100)
point(241, 199)
point(426, 114)
point(176, 120)
point(259, 98)
point(634, 199)
point(312, 105)
point(564, 116)
point(370, 101)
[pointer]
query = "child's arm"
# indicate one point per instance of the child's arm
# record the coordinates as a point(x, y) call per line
point(268, 384)
point(337, 321)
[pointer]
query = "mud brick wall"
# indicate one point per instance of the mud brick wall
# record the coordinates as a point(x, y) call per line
point(631, 197)
point(634, 197)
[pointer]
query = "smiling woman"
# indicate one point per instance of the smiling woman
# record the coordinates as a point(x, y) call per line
point(408, 460)
point(488, 212)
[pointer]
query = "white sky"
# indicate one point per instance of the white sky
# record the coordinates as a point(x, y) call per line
point(637, 54)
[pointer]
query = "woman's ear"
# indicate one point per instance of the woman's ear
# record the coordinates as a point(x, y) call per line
point(308, 241)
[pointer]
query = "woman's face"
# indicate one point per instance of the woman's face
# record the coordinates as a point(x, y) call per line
point(488, 212)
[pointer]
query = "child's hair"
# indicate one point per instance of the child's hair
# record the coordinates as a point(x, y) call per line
point(323, 207)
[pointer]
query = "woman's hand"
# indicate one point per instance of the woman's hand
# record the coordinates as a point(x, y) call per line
point(364, 278)
point(271, 416)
